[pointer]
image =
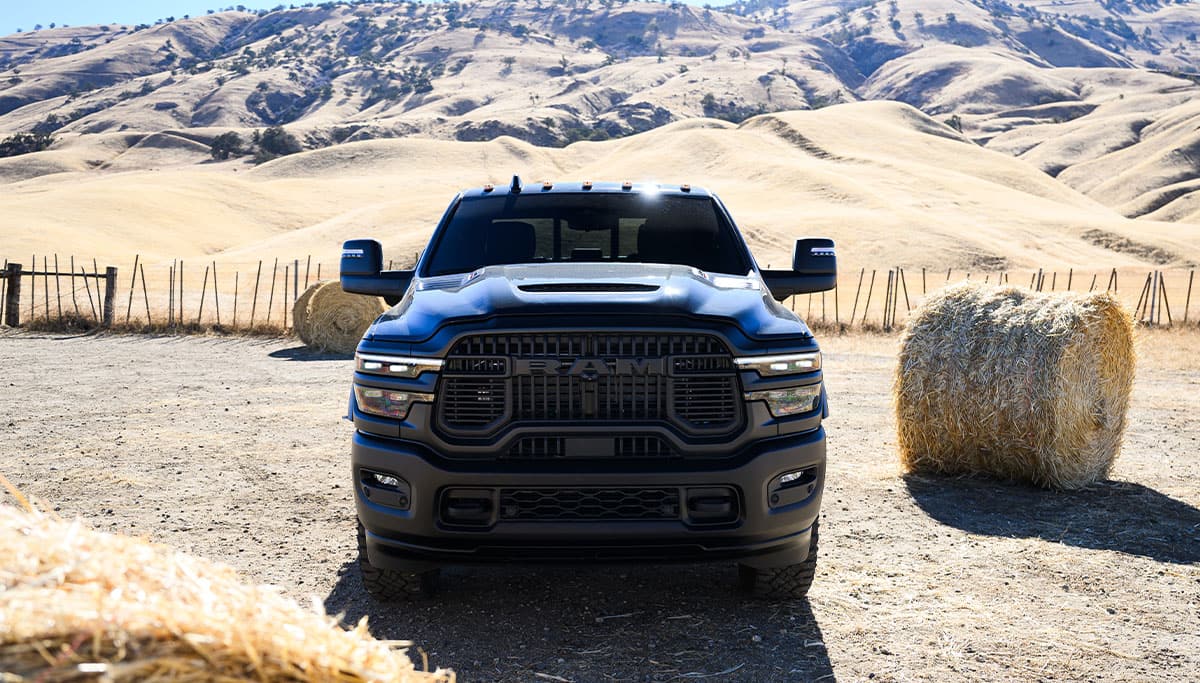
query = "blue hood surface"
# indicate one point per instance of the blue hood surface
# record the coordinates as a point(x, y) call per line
point(553, 290)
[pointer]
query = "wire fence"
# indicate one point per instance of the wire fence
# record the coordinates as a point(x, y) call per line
point(256, 297)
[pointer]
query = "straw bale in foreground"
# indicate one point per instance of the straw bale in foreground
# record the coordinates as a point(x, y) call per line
point(81, 605)
point(337, 320)
point(1020, 385)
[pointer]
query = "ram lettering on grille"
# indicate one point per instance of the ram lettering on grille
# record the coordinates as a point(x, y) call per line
point(686, 380)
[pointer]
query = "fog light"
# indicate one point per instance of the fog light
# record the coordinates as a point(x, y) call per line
point(385, 489)
point(790, 401)
point(386, 480)
point(783, 481)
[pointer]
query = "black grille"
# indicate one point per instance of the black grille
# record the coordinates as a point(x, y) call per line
point(706, 401)
point(588, 504)
point(543, 447)
point(492, 380)
point(472, 402)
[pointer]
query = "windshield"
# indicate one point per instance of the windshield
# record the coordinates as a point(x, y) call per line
point(601, 227)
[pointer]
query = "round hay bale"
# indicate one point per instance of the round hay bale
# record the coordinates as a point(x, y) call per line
point(337, 320)
point(1019, 385)
point(300, 313)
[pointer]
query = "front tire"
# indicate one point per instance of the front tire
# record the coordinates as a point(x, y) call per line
point(789, 582)
point(391, 585)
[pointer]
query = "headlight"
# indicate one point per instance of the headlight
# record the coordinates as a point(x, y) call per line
point(790, 364)
point(386, 402)
point(395, 366)
point(790, 401)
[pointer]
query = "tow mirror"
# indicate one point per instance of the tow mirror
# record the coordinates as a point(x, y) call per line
point(814, 269)
point(362, 272)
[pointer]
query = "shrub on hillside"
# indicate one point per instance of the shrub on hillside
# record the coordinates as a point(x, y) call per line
point(275, 142)
point(227, 145)
point(25, 143)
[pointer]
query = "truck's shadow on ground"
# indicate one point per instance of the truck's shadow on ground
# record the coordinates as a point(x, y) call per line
point(303, 353)
point(629, 623)
point(1112, 515)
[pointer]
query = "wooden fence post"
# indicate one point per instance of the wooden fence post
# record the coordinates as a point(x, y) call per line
point(203, 291)
point(1165, 304)
point(1188, 302)
point(285, 293)
point(867, 306)
point(88, 287)
point(854, 311)
point(837, 320)
point(307, 267)
point(254, 302)
point(46, 283)
point(236, 276)
point(887, 302)
point(74, 300)
point(12, 298)
point(145, 294)
point(57, 288)
point(171, 295)
point(132, 283)
point(271, 299)
point(216, 294)
point(3, 291)
point(110, 294)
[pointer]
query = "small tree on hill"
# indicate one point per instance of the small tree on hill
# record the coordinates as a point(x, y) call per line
point(25, 143)
point(227, 145)
point(275, 142)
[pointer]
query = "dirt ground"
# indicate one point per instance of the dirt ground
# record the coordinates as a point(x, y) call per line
point(234, 449)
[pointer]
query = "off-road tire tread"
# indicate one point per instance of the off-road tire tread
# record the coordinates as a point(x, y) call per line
point(782, 583)
point(390, 585)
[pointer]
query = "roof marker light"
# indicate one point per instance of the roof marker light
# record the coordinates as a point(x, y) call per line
point(489, 187)
point(587, 184)
point(626, 185)
point(685, 188)
point(546, 184)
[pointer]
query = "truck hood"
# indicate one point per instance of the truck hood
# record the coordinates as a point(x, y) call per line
point(585, 289)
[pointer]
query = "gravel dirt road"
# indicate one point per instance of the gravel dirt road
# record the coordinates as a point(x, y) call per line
point(234, 449)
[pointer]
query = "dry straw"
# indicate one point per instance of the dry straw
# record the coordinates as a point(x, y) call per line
point(82, 605)
point(335, 320)
point(1016, 384)
point(300, 313)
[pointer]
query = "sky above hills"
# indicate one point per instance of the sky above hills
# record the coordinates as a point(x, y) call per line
point(16, 15)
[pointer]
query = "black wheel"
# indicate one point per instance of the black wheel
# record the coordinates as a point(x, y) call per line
point(390, 585)
point(790, 582)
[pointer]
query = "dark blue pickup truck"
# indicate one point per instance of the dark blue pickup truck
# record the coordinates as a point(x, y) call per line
point(582, 372)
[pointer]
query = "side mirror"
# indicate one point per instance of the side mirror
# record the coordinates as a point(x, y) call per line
point(362, 272)
point(814, 269)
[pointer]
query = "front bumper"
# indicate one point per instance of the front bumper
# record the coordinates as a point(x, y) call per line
point(761, 533)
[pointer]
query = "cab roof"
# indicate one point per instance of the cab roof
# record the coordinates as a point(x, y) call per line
point(517, 186)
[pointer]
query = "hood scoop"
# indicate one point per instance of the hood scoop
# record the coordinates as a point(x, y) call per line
point(587, 287)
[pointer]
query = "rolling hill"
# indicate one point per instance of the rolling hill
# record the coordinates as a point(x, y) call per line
point(1063, 117)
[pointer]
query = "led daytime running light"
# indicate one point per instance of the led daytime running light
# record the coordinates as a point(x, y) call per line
point(790, 364)
point(395, 366)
